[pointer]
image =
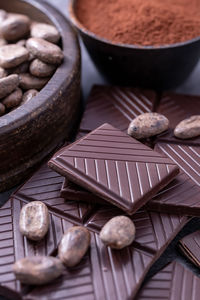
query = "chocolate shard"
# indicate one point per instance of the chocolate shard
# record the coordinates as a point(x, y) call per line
point(177, 108)
point(172, 282)
point(45, 186)
point(190, 246)
point(115, 105)
point(14, 246)
point(116, 167)
point(186, 157)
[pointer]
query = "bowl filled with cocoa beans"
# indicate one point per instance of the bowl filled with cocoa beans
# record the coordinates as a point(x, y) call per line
point(39, 85)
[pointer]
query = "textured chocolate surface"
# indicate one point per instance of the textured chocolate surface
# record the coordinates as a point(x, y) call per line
point(190, 246)
point(115, 105)
point(172, 282)
point(14, 246)
point(45, 185)
point(116, 167)
point(186, 157)
point(104, 273)
point(177, 108)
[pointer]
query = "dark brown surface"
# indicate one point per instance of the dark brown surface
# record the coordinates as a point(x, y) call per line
point(116, 167)
point(190, 246)
point(177, 108)
point(172, 282)
point(33, 130)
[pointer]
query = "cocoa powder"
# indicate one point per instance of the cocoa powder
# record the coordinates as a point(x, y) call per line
point(141, 22)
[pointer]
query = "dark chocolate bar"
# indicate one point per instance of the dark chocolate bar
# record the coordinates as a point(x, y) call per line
point(45, 186)
point(116, 105)
point(116, 167)
point(177, 108)
point(174, 282)
point(14, 246)
point(186, 157)
point(181, 194)
point(103, 272)
point(190, 246)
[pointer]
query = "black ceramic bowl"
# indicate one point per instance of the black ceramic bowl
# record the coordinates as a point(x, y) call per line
point(161, 67)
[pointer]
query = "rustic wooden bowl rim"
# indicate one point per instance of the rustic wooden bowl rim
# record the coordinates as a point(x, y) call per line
point(30, 110)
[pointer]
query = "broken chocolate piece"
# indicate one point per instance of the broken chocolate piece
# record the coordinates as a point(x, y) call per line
point(190, 246)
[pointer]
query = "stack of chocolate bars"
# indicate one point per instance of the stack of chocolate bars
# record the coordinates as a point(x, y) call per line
point(103, 174)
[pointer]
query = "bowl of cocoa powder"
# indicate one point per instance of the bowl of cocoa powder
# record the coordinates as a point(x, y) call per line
point(150, 43)
point(39, 85)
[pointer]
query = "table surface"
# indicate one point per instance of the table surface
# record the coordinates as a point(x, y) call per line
point(91, 76)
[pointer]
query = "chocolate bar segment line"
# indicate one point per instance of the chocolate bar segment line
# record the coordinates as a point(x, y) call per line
point(186, 157)
point(119, 168)
point(173, 282)
point(115, 105)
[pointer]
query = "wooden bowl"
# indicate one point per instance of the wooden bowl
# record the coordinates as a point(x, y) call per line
point(32, 131)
